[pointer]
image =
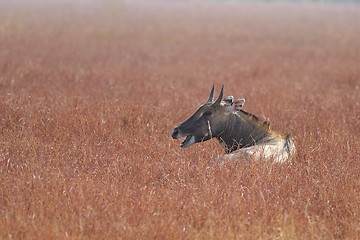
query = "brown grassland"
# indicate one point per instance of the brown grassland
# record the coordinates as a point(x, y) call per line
point(90, 93)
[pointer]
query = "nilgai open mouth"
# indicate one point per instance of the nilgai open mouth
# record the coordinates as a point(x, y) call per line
point(189, 140)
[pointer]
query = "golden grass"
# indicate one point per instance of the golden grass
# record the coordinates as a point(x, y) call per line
point(89, 97)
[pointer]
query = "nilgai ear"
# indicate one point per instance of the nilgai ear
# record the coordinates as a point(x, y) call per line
point(238, 104)
point(228, 103)
point(229, 99)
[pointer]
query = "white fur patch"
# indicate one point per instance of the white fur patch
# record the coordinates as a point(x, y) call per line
point(275, 149)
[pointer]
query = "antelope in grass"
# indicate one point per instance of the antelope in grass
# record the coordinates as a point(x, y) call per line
point(242, 134)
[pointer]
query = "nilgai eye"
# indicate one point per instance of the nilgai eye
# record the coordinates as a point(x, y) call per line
point(207, 113)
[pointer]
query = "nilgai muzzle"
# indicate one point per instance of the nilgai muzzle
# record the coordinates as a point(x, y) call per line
point(242, 134)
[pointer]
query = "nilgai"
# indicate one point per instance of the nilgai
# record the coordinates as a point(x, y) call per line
point(242, 134)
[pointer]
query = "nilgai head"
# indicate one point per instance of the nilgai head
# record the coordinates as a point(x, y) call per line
point(208, 121)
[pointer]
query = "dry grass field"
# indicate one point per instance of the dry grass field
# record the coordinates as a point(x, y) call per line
point(90, 93)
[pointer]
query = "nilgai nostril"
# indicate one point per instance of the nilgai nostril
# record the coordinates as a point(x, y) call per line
point(175, 133)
